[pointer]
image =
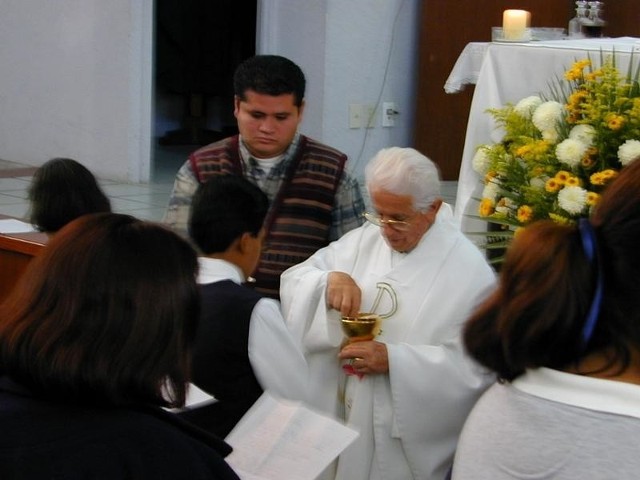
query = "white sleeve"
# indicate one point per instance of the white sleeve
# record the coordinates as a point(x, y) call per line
point(275, 357)
point(303, 288)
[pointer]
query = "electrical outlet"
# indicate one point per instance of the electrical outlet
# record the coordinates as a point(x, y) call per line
point(388, 114)
point(355, 115)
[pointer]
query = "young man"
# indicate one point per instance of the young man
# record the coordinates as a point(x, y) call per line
point(313, 200)
point(242, 346)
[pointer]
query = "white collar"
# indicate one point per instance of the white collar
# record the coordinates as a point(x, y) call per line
point(215, 269)
point(598, 394)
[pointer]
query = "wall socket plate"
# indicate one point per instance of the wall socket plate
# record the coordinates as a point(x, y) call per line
point(355, 115)
point(389, 114)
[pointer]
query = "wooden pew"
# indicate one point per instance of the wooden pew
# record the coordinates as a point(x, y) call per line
point(16, 251)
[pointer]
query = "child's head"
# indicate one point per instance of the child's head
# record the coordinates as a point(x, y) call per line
point(62, 190)
point(227, 213)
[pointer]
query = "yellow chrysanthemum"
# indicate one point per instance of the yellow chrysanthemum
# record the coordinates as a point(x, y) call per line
point(614, 121)
point(587, 161)
point(562, 176)
point(597, 178)
point(525, 214)
point(593, 198)
point(552, 185)
point(603, 177)
point(486, 208)
point(573, 181)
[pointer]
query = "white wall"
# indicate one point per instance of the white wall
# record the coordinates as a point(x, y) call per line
point(355, 51)
point(75, 82)
point(76, 76)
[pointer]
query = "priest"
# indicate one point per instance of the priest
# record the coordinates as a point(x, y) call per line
point(408, 390)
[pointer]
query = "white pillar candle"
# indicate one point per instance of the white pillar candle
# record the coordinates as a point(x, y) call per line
point(514, 24)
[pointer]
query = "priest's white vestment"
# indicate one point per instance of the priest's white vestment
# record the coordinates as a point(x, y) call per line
point(409, 419)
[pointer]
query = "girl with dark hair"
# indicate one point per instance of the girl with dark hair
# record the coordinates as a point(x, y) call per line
point(95, 338)
point(62, 190)
point(562, 333)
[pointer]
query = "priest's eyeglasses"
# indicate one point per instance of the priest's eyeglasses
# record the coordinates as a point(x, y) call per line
point(398, 225)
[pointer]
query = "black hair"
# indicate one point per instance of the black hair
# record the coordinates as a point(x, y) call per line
point(269, 75)
point(224, 208)
point(63, 189)
point(105, 315)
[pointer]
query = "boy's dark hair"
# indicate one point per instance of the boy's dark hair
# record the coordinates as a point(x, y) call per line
point(269, 75)
point(223, 209)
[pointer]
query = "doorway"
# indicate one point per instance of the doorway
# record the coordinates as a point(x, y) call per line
point(198, 45)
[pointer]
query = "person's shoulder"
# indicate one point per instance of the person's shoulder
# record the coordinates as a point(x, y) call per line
point(215, 148)
point(105, 442)
point(310, 144)
point(156, 438)
point(230, 289)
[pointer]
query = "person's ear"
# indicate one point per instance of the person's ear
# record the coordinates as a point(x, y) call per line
point(245, 242)
point(301, 110)
point(236, 105)
point(435, 205)
point(432, 211)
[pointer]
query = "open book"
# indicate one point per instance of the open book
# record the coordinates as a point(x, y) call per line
point(278, 439)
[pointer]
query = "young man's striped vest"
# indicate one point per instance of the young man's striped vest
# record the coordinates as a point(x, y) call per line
point(299, 219)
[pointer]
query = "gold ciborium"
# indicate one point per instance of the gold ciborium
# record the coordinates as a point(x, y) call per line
point(366, 326)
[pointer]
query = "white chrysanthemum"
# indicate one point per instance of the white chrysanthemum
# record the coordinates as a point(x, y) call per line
point(538, 183)
point(480, 161)
point(527, 106)
point(572, 199)
point(629, 151)
point(571, 151)
point(491, 191)
point(583, 133)
point(547, 116)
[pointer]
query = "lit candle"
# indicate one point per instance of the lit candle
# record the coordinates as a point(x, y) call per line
point(514, 24)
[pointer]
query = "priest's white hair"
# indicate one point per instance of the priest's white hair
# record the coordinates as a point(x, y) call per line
point(404, 171)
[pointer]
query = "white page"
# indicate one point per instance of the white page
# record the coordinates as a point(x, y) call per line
point(11, 225)
point(195, 398)
point(278, 440)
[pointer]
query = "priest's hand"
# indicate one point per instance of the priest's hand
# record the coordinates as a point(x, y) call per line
point(343, 294)
point(366, 357)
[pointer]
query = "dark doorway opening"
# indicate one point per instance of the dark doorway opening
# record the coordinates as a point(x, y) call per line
point(198, 45)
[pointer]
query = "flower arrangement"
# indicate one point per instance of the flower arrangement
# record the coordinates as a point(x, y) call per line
point(558, 154)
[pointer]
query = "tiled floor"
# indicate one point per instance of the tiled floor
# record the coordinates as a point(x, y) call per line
point(145, 201)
